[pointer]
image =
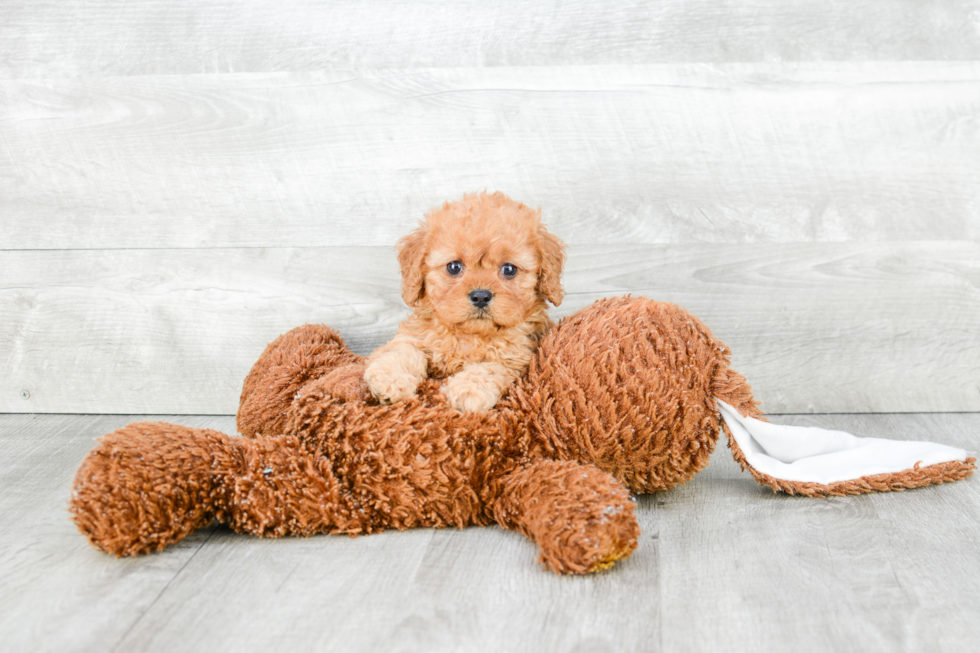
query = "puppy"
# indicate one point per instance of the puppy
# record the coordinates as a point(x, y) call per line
point(477, 274)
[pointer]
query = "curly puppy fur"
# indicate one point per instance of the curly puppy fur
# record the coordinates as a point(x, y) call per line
point(478, 274)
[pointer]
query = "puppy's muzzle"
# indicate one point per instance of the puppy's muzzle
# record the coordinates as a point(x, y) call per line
point(480, 298)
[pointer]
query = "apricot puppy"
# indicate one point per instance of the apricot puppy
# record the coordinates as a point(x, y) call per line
point(477, 273)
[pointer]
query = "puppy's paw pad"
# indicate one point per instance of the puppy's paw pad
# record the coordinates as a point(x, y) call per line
point(467, 397)
point(390, 386)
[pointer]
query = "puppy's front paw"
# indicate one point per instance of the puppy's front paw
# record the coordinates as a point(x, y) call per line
point(470, 393)
point(390, 384)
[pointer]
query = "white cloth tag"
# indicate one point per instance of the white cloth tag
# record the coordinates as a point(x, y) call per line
point(815, 455)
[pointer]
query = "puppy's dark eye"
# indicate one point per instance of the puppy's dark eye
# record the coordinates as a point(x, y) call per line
point(454, 268)
point(509, 270)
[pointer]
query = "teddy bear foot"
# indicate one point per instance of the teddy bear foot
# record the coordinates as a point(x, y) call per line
point(580, 517)
point(149, 485)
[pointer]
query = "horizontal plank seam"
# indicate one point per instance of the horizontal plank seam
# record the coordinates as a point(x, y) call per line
point(792, 66)
point(632, 245)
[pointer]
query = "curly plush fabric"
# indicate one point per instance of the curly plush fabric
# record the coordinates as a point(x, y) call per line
point(620, 398)
point(818, 462)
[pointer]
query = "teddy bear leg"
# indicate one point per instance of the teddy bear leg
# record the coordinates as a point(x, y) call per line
point(285, 488)
point(149, 485)
point(299, 356)
point(581, 517)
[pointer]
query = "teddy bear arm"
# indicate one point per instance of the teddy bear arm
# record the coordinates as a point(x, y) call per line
point(580, 517)
point(290, 362)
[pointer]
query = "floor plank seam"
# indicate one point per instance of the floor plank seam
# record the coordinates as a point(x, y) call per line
point(163, 591)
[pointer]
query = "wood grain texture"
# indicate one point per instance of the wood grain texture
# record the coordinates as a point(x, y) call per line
point(722, 565)
point(44, 38)
point(847, 327)
point(892, 571)
point(613, 154)
point(57, 593)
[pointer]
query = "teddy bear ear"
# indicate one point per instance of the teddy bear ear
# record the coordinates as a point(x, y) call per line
point(411, 255)
point(551, 251)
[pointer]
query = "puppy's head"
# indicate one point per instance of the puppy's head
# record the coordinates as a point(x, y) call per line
point(482, 263)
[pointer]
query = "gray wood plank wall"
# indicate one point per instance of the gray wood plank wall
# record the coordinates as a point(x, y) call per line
point(180, 182)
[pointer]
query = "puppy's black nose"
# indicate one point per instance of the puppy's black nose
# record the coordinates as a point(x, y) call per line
point(480, 298)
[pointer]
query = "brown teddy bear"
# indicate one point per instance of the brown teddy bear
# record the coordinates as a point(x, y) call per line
point(622, 397)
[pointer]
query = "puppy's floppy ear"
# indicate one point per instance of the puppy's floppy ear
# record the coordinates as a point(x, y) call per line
point(411, 256)
point(551, 250)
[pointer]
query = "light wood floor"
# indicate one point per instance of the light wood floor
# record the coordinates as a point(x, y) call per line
point(723, 565)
